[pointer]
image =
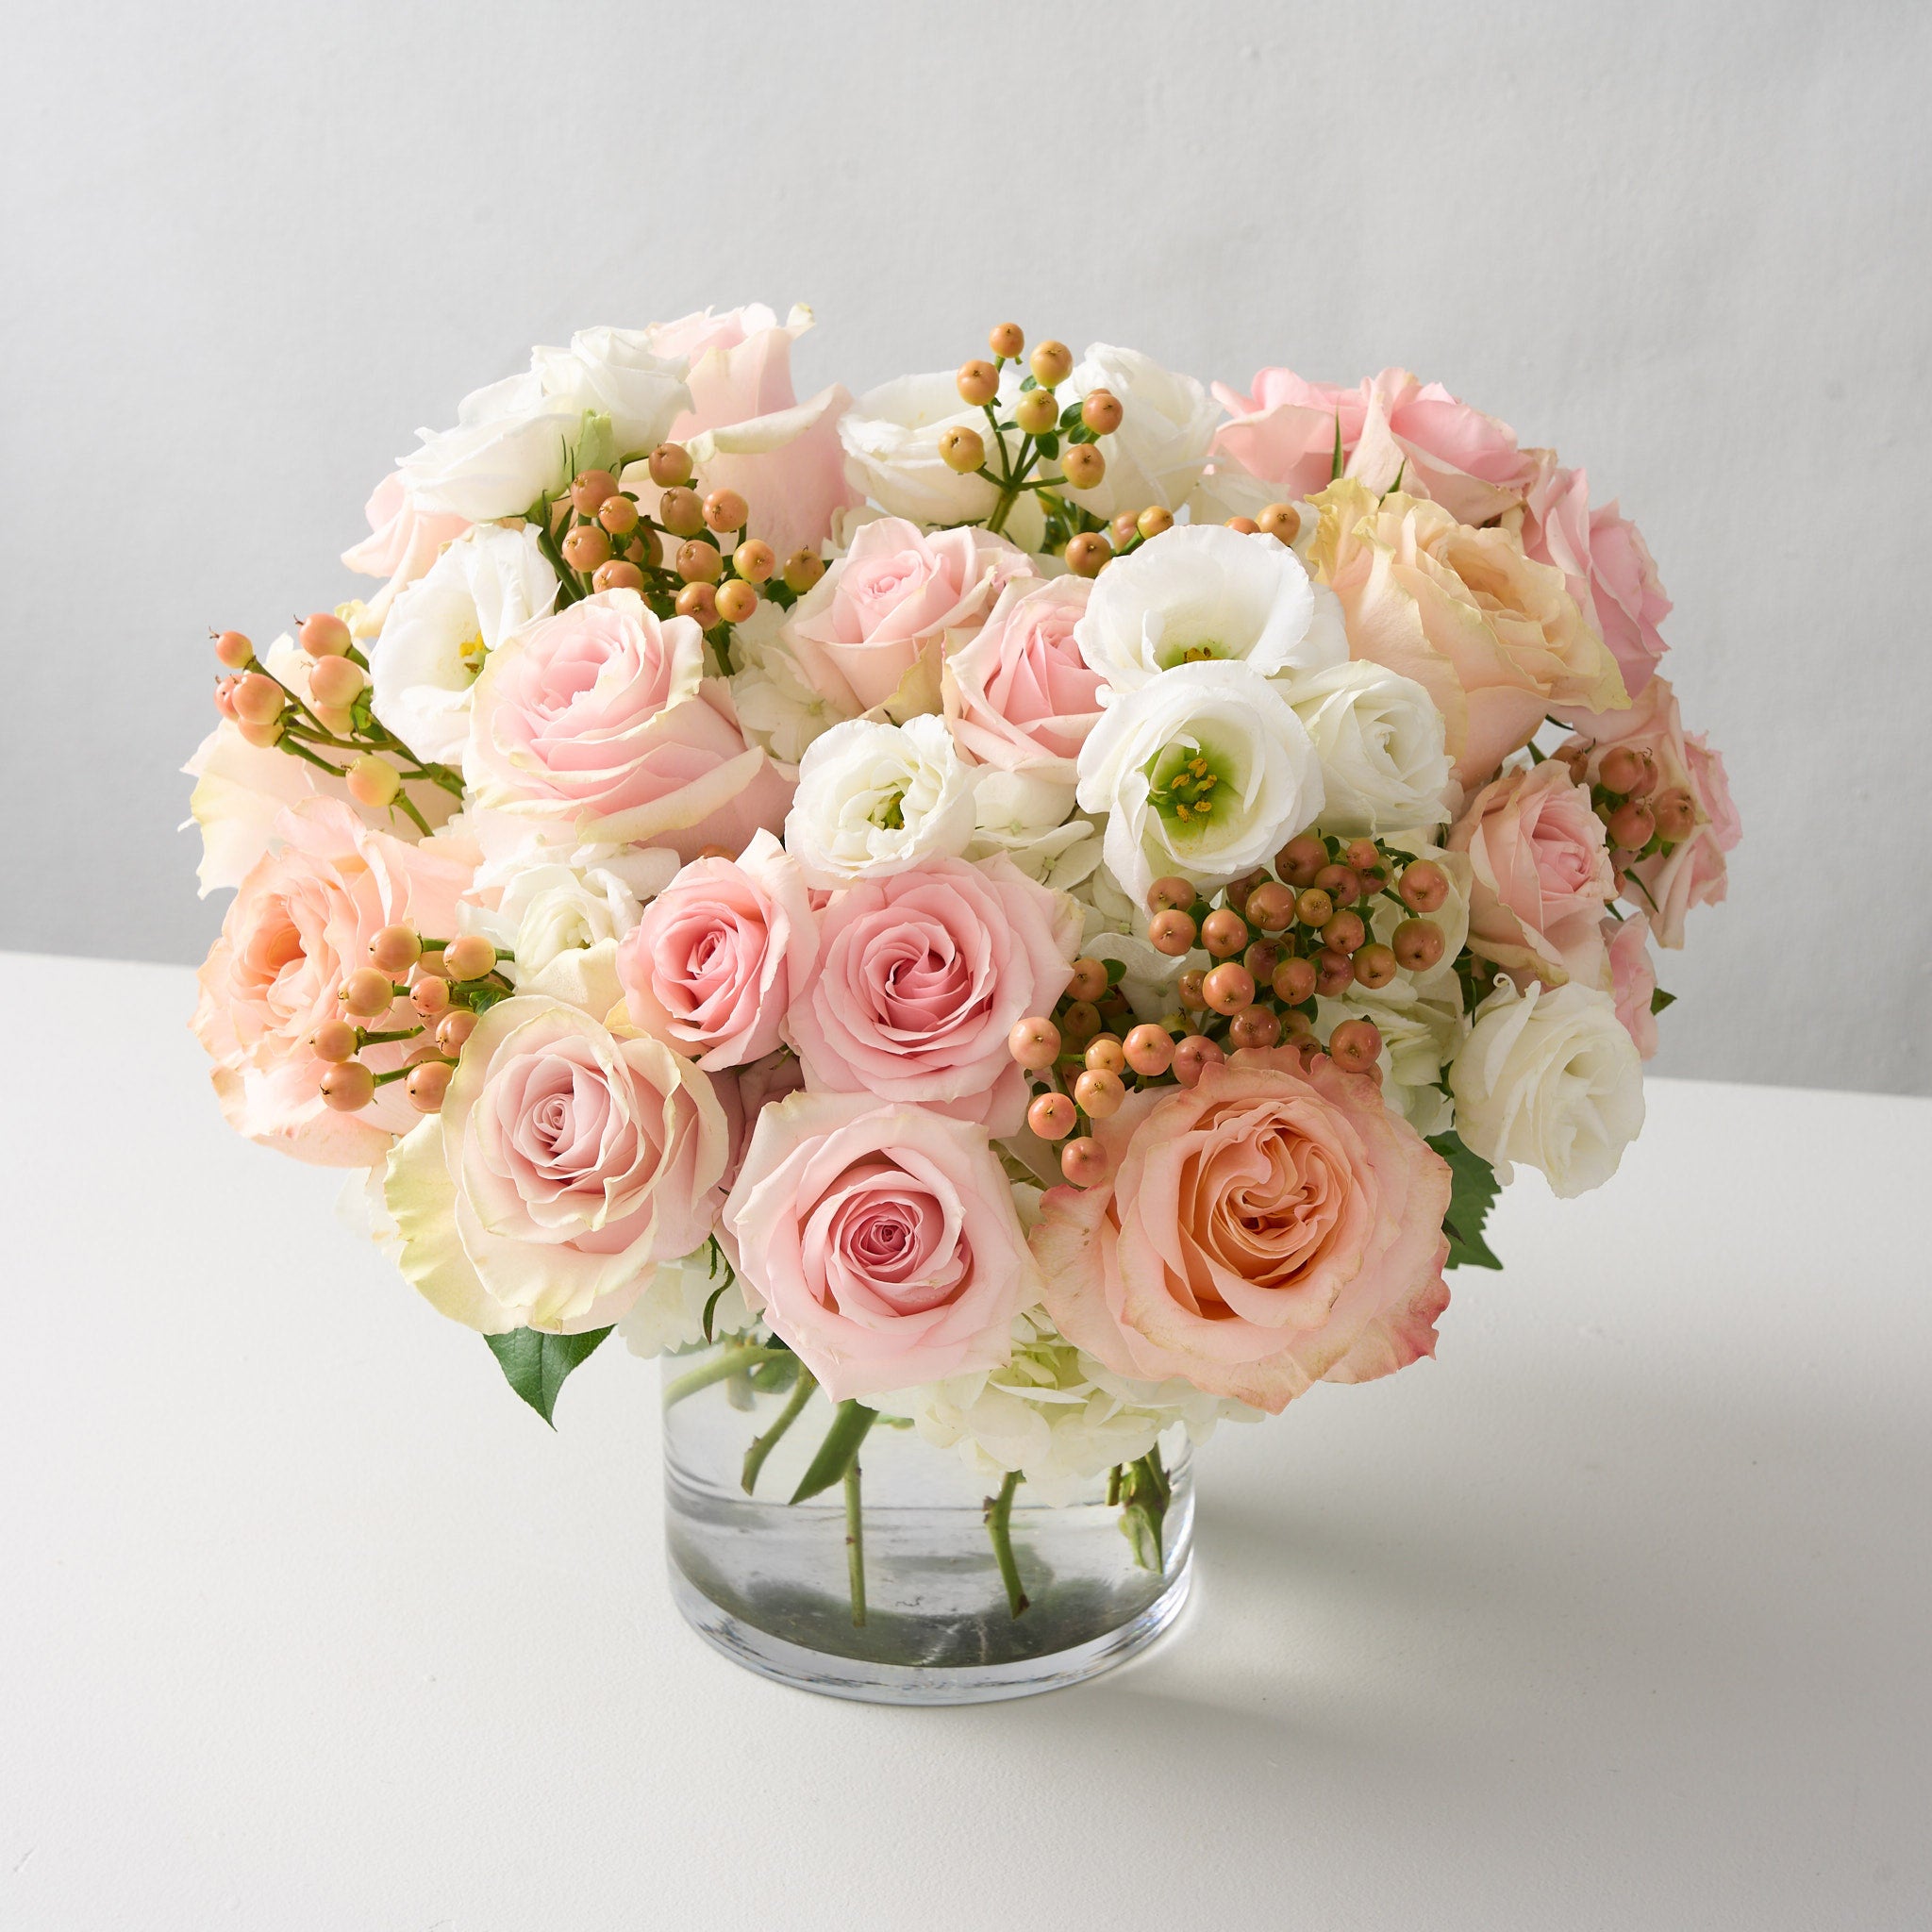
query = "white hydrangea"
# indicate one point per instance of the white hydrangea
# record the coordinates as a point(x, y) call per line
point(776, 704)
point(1033, 822)
point(1420, 1038)
point(670, 1314)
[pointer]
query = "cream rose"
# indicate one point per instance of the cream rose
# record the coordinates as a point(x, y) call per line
point(1167, 428)
point(1380, 739)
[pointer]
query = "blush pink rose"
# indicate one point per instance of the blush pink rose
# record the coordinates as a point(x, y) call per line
point(1273, 1227)
point(743, 1091)
point(402, 543)
point(1542, 874)
point(1019, 694)
point(888, 605)
point(721, 954)
point(747, 430)
point(1444, 450)
point(1633, 979)
point(880, 1242)
point(565, 1163)
point(601, 718)
point(919, 979)
point(1668, 882)
point(299, 926)
point(1604, 556)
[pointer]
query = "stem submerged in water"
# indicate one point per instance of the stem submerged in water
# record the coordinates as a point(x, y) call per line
point(999, 1526)
point(761, 1446)
point(855, 1544)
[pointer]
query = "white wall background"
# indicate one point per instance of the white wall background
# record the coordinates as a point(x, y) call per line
point(248, 248)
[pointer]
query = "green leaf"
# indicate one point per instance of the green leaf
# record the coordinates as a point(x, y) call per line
point(1659, 999)
point(1027, 382)
point(1080, 433)
point(536, 1365)
point(1473, 1190)
point(1071, 414)
point(1116, 970)
point(1049, 444)
point(1144, 1497)
point(1335, 467)
point(839, 1451)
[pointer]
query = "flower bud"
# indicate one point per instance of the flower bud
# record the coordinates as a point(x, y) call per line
point(1051, 362)
point(1087, 554)
point(617, 576)
point(259, 699)
point(588, 492)
point(803, 569)
point(372, 781)
point(698, 563)
point(336, 1042)
point(323, 633)
point(1037, 412)
point(681, 513)
point(698, 600)
point(725, 510)
point(1154, 521)
point(428, 1085)
point(1005, 339)
point(978, 382)
point(394, 949)
point(1034, 1042)
point(1280, 520)
point(348, 1089)
point(617, 515)
point(367, 992)
point(1052, 1116)
point(586, 547)
point(1084, 465)
point(962, 449)
point(336, 681)
point(1172, 932)
point(1149, 1050)
point(670, 466)
point(468, 956)
point(234, 650)
point(754, 560)
point(1101, 411)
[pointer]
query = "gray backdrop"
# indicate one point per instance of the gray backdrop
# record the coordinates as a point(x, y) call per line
point(251, 248)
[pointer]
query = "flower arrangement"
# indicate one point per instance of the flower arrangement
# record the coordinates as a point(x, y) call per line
point(1042, 902)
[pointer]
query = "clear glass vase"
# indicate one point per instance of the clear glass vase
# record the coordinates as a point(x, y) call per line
point(903, 1580)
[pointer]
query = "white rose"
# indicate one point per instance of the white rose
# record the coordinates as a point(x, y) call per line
point(508, 449)
point(422, 666)
point(1420, 1037)
point(1167, 427)
point(1381, 742)
point(1205, 771)
point(891, 438)
point(1549, 1077)
point(1202, 592)
point(617, 372)
point(879, 798)
point(1032, 820)
point(777, 705)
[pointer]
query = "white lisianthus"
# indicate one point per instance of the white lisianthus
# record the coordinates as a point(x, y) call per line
point(1032, 820)
point(1206, 771)
point(876, 798)
point(670, 1314)
point(1381, 742)
point(891, 438)
point(1053, 1413)
point(1420, 1037)
point(422, 666)
point(777, 707)
point(1549, 1077)
point(1167, 427)
point(1202, 592)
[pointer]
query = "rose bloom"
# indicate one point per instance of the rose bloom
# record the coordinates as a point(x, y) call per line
point(299, 926)
point(1495, 639)
point(1549, 1077)
point(744, 1091)
point(1391, 424)
point(885, 607)
point(1167, 427)
point(1633, 979)
point(746, 430)
point(1666, 884)
point(1019, 694)
point(403, 541)
point(1604, 561)
point(1542, 874)
point(600, 717)
point(879, 1241)
point(1273, 1227)
point(564, 1165)
point(919, 979)
point(720, 954)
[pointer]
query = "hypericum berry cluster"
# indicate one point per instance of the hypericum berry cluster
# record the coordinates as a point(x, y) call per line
point(450, 983)
point(1639, 819)
point(1281, 942)
point(334, 718)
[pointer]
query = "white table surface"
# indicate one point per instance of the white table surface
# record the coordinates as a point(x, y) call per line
point(1615, 1615)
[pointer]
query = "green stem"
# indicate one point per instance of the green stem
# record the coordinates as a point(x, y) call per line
point(855, 1545)
point(724, 1364)
point(999, 1526)
point(761, 1446)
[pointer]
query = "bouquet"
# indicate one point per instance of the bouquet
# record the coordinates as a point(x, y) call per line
point(1043, 901)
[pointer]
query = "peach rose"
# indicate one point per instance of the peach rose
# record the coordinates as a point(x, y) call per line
point(879, 1241)
point(1633, 979)
point(884, 608)
point(1667, 882)
point(402, 543)
point(1273, 1227)
point(1019, 694)
point(601, 718)
point(300, 923)
point(720, 954)
point(1542, 874)
point(919, 979)
point(1495, 639)
point(1444, 449)
point(1604, 561)
point(564, 1165)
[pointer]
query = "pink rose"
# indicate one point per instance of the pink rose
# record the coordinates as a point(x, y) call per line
point(919, 979)
point(1273, 1227)
point(564, 1164)
point(1019, 694)
point(1542, 874)
point(748, 431)
point(1633, 979)
point(299, 925)
point(721, 954)
point(1668, 882)
point(879, 1241)
point(601, 718)
point(885, 607)
point(742, 1091)
point(1608, 567)
point(402, 543)
point(1444, 450)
